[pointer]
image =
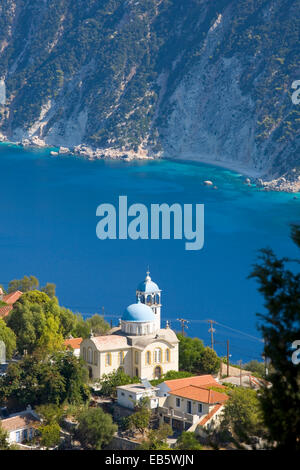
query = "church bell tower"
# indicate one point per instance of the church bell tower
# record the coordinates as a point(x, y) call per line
point(149, 293)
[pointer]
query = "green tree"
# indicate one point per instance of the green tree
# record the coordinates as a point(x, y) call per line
point(39, 322)
point(50, 435)
point(141, 418)
point(190, 350)
point(50, 413)
point(157, 438)
point(97, 325)
point(49, 289)
point(9, 338)
point(256, 367)
point(4, 445)
point(242, 415)
point(110, 382)
point(56, 379)
point(209, 362)
point(51, 338)
point(26, 284)
point(81, 328)
point(188, 441)
point(279, 282)
point(95, 428)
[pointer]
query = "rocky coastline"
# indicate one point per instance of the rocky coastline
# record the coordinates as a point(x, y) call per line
point(288, 183)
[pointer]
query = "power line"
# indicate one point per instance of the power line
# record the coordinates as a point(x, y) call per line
point(211, 331)
point(183, 323)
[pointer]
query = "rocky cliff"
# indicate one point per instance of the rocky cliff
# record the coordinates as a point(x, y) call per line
point(190, 79)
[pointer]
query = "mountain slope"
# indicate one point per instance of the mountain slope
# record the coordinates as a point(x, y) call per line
point(194, 79)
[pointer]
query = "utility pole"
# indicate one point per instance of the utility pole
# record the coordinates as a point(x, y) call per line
point(211, 331)
point(183, 325)
point(228, 358)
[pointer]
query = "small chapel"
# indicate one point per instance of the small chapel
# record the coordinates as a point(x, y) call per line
point(138, 345)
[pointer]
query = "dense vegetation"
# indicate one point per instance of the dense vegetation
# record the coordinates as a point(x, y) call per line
point(38, 324)
point(279, 282)
point(108, 57)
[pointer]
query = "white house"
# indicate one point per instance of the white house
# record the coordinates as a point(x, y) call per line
point(192, 403)
point(129, 395)
point(21, 426)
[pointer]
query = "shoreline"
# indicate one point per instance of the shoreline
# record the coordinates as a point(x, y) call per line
point(252, 176)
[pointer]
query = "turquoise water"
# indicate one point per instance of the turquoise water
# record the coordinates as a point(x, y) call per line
point(48, 228)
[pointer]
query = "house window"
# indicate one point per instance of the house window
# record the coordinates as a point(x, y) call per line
point(136, 357)
point(178, 402)
point(108, 359)
point(123, 394)
point(148, 357)
point(199, 407)
point(25, 434)
point(168, 355)
point(121, 357)
point(157, 355)
point(95, 358)
point(30, 433)
point(18, 436)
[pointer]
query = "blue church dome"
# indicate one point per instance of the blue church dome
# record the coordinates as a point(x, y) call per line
point(138, 312)
point(148, 285)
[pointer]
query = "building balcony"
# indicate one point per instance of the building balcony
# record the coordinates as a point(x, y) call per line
point(180, 415)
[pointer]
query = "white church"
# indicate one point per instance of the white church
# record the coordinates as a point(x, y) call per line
point(138, 345)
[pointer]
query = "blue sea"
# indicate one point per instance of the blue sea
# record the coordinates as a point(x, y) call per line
point(48, 229)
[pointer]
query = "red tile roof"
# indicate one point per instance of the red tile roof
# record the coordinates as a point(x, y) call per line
point(204, 395)
point(212, 412)
point(12, 297)
point(19, 421)
point(4, 311)
point(74, 343)
point(199, 380)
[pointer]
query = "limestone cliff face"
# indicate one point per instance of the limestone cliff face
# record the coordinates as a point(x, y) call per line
point(202, 80)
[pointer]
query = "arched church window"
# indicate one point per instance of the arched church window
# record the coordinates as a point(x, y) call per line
point(157, 355)
point(168, 355)
point(95, 358)
point(121, 357)
point(84, 353)
point(148, 357)
point(108, 359)
point(136, 357)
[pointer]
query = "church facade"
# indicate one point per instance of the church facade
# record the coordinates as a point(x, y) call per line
point(138, 345)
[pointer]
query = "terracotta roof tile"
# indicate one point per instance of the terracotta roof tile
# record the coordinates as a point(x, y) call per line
point(204, 395)
point(18, 422)
point(12, 297)
point(210, 415)
point(74, 343)
point(4, 311)
point(199, 380)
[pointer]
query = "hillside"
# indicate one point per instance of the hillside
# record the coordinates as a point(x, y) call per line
point(192, 79)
